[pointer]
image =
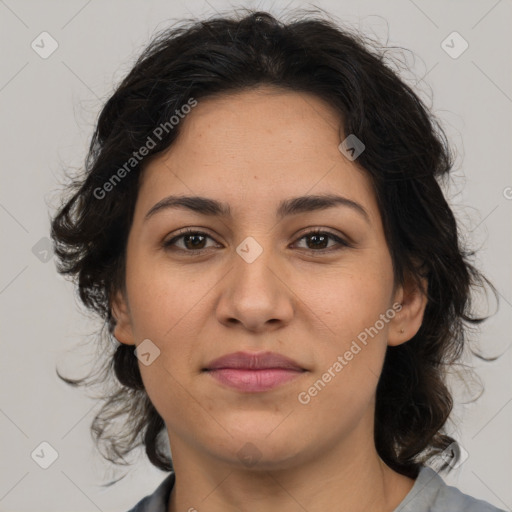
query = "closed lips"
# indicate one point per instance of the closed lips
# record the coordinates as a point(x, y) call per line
point(253, 361)
point(249, 372)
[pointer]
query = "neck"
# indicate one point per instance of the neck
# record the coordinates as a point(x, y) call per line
point(347, 477)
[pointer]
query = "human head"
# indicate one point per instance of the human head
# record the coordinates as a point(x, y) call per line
point(405, 157)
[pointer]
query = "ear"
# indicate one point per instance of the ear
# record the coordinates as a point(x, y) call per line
point(120, 311)
point(410, 317)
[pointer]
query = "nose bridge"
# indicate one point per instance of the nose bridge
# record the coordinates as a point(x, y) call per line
point(252, 267)
point(255, 293)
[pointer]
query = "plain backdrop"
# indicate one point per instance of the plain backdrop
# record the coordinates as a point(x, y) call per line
point(48, 107)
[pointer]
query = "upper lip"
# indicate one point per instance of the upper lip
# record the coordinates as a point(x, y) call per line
point(253, 361)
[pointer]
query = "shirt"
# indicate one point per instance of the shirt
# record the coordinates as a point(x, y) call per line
point(428, 494)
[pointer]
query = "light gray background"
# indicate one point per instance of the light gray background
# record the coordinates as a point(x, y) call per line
point(48, 108)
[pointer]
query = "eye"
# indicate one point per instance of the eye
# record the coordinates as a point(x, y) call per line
point(320, 238)
point(193, 241)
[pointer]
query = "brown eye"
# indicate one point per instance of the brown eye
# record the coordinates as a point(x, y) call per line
point(319, 241)
point(192, 241)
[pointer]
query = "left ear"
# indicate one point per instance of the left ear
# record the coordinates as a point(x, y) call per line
point(407, 321)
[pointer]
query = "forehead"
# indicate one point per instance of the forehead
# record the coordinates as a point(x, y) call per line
point(264, 142)
point(229, 125)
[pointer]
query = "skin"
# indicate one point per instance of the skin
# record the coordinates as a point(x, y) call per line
point(252, 150)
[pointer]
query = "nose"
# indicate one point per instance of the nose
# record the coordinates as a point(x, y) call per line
point(255, 295)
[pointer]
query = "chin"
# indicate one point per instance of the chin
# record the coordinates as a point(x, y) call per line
point(262, 451)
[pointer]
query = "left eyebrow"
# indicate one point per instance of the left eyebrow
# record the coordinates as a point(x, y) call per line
point(292, 206)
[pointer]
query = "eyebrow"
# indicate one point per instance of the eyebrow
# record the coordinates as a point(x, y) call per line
point(287, 207)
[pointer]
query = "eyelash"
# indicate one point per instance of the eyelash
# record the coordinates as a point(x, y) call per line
point(342, 244)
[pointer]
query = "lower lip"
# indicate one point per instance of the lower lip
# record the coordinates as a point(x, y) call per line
point(254, 380)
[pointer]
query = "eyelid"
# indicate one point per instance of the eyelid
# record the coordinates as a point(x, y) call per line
point(341, 241)
point(187, 231)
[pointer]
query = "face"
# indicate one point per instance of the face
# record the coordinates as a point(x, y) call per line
point(258, 279)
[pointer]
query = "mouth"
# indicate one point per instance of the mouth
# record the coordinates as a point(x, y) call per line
point(254, 372)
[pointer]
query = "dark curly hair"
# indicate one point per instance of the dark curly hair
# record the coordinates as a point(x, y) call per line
point(407, 156)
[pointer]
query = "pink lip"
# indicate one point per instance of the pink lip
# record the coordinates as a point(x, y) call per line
point(254, 372)
point(254, 380)
point(253, 361)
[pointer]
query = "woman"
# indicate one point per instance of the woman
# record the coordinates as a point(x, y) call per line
point(262, 228)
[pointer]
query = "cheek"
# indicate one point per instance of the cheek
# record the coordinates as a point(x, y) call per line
point(355, 308)
point(349, 358)
point(163, 308)
point(353, 301)
point(160, 297)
